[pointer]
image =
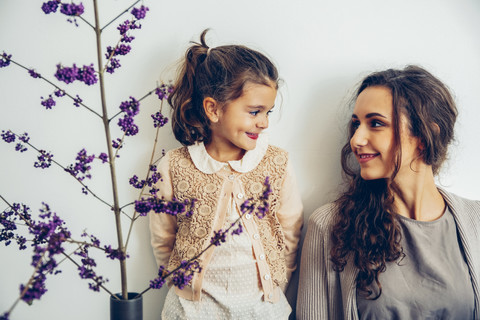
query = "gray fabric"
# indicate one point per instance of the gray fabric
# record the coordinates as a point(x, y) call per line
point(432, 281)
point(326, 294)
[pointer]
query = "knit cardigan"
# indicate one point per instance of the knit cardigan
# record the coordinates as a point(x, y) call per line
point(327, 294)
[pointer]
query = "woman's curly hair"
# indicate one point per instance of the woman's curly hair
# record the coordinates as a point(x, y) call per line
point(366, 229)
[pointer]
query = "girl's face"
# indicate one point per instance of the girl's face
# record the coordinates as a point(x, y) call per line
point(373, 139)
point(239, 123)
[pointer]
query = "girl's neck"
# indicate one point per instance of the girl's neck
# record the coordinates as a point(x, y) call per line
point(224, 153)
point(417, 196)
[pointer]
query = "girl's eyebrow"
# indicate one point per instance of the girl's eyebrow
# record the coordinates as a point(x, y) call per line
point(370, 115)
point(261, 107)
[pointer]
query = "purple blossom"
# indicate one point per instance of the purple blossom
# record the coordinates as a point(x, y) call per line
point(5, 60)
point(66, 74)
point(36, 289)
point(127, 39)
point(8, 219)
point(113, 64)
point(130, 107)
point(59, 93)
point(72, 9)
point(135, 183)
point(158, 282)
point(86, 270)
point(104, 157)
point(8, 136)
point(44, 160)
point(77, 101)
point(49, 235)
point(218, 238)
point(48, 103)
point(238, 230)
point(119, 50)
point(139, 13)
point(24, 137)
point(184, 275)
point(159, 120)
point(115, 253)
point(127, 125)
point(5, 316)
point(87, 75)
point(34, 74)
point(81, 168)
point(124, 27)
point(50, 6)
point(172, 208)
point(163, 91)
point(20, 147)
point(117, 144)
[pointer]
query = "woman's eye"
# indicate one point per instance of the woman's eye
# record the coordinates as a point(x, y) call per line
point(376, 123)
point(355, 124)
point(254, 113)
point(269, 112)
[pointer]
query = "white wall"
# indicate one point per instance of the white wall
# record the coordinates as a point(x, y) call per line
point(322, 49)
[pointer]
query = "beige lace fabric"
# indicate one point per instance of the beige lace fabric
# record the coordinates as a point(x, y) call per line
point(188, 182)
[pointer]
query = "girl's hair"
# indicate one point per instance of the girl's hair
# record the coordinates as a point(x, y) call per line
point(220, 73)
point(366, 226)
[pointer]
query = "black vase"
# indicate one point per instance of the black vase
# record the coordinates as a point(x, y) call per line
point(131, 309)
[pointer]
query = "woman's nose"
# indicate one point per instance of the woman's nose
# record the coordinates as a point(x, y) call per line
point(359, 138)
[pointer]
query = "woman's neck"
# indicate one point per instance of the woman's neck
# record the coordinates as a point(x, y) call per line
point(417, 196)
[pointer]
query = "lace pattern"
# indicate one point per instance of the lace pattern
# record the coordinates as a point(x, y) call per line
point(194, 232)
point(272, 165)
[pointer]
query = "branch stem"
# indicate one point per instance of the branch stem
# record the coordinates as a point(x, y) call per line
point(116, 207)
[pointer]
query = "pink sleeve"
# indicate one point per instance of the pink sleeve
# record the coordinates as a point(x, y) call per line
point(163, 227)
point(290, 216)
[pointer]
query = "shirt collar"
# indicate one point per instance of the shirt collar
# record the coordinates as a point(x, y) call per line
point(205, 163)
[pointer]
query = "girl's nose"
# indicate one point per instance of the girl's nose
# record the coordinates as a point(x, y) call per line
point(263, 122)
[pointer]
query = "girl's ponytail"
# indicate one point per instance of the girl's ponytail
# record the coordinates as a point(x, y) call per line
point(188, 121)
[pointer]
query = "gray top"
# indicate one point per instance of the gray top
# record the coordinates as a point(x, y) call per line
point(432, 281)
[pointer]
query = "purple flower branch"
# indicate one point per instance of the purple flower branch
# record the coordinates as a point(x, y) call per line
point(45, 159)
point(121, 14)
point(60, 91)
point(68, 9)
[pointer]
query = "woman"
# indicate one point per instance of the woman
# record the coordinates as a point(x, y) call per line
point(394, 245)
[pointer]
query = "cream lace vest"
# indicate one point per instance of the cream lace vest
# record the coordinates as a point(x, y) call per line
point(194, 233)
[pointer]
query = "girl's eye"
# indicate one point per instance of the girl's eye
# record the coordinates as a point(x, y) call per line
point(254, 113)
point(269, 111)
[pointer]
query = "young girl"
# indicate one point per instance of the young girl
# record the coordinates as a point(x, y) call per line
point(394, 245)
point(221, 102)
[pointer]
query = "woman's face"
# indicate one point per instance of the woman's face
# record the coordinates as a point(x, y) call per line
point(373, 138)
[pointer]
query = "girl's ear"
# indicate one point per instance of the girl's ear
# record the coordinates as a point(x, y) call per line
point(212, 109)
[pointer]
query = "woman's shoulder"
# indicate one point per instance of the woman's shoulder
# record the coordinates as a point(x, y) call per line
point(323, 217)
point(461, 203)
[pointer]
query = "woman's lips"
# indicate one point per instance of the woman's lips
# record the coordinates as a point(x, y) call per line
point(365, 157)
point(253, 136)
